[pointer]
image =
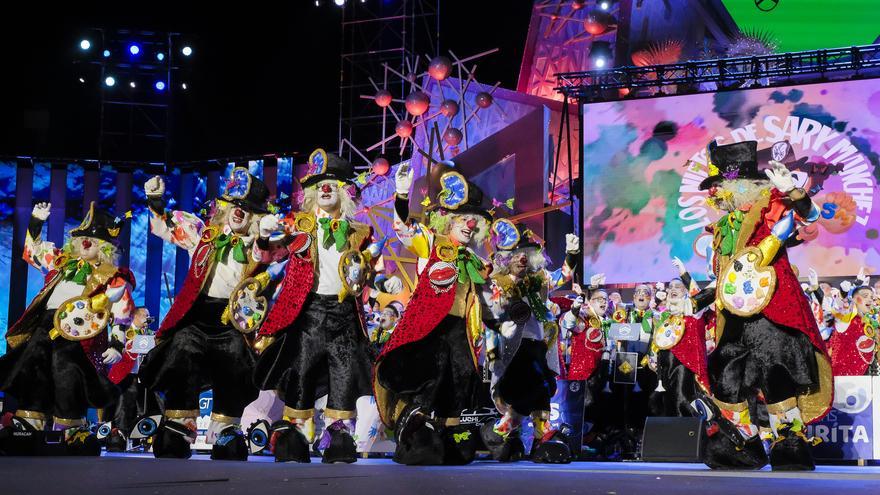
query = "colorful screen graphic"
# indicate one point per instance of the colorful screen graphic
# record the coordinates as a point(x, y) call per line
point(644, 160)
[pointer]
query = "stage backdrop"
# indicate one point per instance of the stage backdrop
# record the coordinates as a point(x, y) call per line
point(643, 161)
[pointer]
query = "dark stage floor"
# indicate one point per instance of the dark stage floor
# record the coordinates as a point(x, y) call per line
point(144, 475)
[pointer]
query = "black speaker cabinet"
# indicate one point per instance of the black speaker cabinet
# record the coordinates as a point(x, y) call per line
point(673, 439)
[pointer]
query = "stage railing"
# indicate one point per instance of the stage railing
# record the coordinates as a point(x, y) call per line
point(730, 73)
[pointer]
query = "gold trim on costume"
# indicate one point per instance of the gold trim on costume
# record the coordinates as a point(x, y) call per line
point(291, 413)
point(69, 422)
point(782, 407)
point(181, 413)
point(446, 251)
point(222, 418)
point(449, 421)
point(738, 407)
point(26, 414)
point(544, 415)
point(336, 414)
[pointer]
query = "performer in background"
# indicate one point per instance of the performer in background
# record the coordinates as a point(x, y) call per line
point(521, 343)
point(854, 349)
point(196, 349)
point(313, 341)
point(427, 373)
point(387, 322)
point(767, 336)
point(59, 349)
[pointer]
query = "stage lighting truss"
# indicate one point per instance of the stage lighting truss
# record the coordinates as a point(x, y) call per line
point(731, 73)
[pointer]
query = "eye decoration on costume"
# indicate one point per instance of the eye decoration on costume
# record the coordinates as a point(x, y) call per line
point(146, 427)
point(317, 162)
point(505, 233)
point(258, 436)
point(454, 190)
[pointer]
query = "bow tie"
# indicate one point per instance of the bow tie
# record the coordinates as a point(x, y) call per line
point(77, 271)
point(469, 267)
point(334, 232)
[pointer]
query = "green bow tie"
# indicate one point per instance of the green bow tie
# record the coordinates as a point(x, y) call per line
point(72, 271)
point(730, 226)
point(469, 267)
point(224, 243)
point(339, 236)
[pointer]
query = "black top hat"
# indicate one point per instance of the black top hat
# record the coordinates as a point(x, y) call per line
point(732, 161)
point(100, 224)
point(246, 191)
point(508, 236)
point(460, 196)
point(327, 166)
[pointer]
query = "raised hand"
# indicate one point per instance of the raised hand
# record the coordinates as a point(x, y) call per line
point(403, 180)
point(268, 224)
point(780, 176)
point(154, 187)
point(41, 211)
point(678, 264)
point(572, 244)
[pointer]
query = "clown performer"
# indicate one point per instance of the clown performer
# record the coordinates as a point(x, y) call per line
point(313, 341)
point(387, 321)
point(767, 338)
point(854, 348)
point(195, 349)
point(427, 373)
point(816, 298)
point(678, 348)
point(59, 350)
point(525, 362)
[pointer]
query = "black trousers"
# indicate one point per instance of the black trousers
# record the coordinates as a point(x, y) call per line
point(202, 354)
point(54, 377)
point(324, 351)
point(436, 373)
point(135, 401)
point(680, 384)
point(528, 383)
point(757, 354)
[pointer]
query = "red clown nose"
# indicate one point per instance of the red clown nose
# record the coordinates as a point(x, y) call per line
point(471, 224)
point(86, 243)
point(326, 188)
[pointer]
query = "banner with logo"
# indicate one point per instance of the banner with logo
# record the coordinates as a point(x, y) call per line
point(848, 432)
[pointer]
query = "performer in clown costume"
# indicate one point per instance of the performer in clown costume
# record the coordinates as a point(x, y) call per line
point(59, 349)
point(197, 348)
point(525, 360)
point(767, 337)
point(313, 341)
point(427, 373)
point(853, 346)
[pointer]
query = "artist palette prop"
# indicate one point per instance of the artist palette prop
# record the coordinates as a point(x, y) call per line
point(669, 333)
point(248, 306)
point(353, 271)
point(76, 319)
point(745, 287)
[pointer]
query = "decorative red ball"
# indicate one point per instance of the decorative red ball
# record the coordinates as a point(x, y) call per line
point(382, 98)
point(596, 23)
point(381, 166)
point(452, 136)
point(404, 129)
point(449, 108)
point(439, 68)
point(484, 100)
point(417, 103)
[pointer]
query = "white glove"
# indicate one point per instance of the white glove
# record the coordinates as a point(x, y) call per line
point(393, 285)
point(41, 211)
point(861, 277)
point(111, 356)
point(814, 279)
point(576, 287)
point(846, 285)
point(268, 224)
point(507, 329)
point(597, 280)
point(155, 187)
point(572, 244)
point(403, 180)
point(577, 304)
point(780, 176)
point(660, 295)
point(677, 263)
point(660, 286)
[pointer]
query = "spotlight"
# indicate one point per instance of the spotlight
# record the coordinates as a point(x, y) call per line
point(317, 3)
point(82, 80)
point(160, 86)
point(600, 54)
point(85, 44)
point(160, 56)
point(106, 53)
point(134, 49)
point(339, 3)
point(132, 84)
point(183, 86)
point(186, 51)
point(605, 5)
point(110, 81)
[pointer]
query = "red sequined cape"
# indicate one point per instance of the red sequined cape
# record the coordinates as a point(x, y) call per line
point(846, 359)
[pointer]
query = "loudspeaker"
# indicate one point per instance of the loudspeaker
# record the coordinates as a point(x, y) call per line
point(673, 439)
point(32, 443)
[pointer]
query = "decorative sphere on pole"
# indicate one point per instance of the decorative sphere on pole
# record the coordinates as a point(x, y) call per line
point(381, 166)
point(383, 98)
point(484, 99)
point(403, 129)
point(417, 103)
point(596, 22)
point(439, 68)
point(452, 136)
point(449, 108)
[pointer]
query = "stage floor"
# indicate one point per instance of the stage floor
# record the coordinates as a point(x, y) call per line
point(141, 474)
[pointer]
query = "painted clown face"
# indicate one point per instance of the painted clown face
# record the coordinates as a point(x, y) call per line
point(519, 261)
point(642, 297)
point(87, 248)
point(737, 194)
point(863, 299)
point(677, 289)
point(387, 319)
point(328, 195)
point(463, 228)
point(677, 304)
point(239, 220)
point(599, 302)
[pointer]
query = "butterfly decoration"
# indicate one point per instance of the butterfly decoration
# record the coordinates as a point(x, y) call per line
point(505, 234)
point(454, 190)
point(362, 179)
point(507, 203)
point(426, 202)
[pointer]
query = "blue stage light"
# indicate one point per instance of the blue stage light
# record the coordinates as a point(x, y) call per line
point(134, 49)
point(160, 86)
point(106, 53)
point(110, 81)
point(85, 44)
point(186, 51)
point(160, 56)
